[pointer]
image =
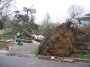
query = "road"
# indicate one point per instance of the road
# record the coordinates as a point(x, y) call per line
point(12, 61)
point(31, 61)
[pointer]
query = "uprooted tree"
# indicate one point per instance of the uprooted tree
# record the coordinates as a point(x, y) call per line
point(65, 40)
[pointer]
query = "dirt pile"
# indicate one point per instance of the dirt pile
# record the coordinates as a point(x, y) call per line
point(65, 40)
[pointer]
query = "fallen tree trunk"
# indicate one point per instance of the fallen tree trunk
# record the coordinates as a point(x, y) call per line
point(64, 41)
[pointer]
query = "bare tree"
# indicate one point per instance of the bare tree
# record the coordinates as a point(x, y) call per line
point(47, 20)
point(46, 24)
point(5, 7)
point(75, 10)
point(5, 10)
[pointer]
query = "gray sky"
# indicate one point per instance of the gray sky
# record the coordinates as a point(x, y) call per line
point(56, 8)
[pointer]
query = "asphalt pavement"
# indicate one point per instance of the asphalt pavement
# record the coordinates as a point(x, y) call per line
point(31, 61)
point(12, 61)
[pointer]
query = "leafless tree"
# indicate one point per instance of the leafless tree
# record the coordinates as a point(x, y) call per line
point(5, 11)
point(5, 7)
point(46, 23)
point(75, 10)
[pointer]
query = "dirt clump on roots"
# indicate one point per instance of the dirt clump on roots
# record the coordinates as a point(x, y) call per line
point(64, 41)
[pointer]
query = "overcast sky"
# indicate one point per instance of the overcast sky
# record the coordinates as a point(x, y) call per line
point(56, 8)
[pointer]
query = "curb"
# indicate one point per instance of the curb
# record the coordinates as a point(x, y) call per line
point(63, 59)
point(53, 58)
point(3, 51)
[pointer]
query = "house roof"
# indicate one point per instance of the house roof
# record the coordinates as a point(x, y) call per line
point(85, 17)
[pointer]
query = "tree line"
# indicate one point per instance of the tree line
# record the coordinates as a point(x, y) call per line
point(25, 20)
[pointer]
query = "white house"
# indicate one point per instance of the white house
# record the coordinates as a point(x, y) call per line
point(85, 19)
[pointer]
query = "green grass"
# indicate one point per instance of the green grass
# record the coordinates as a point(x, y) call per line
point(89, 47)
point(12, 54)
point(35, 51)
point(4, 37)
point(86, 56)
